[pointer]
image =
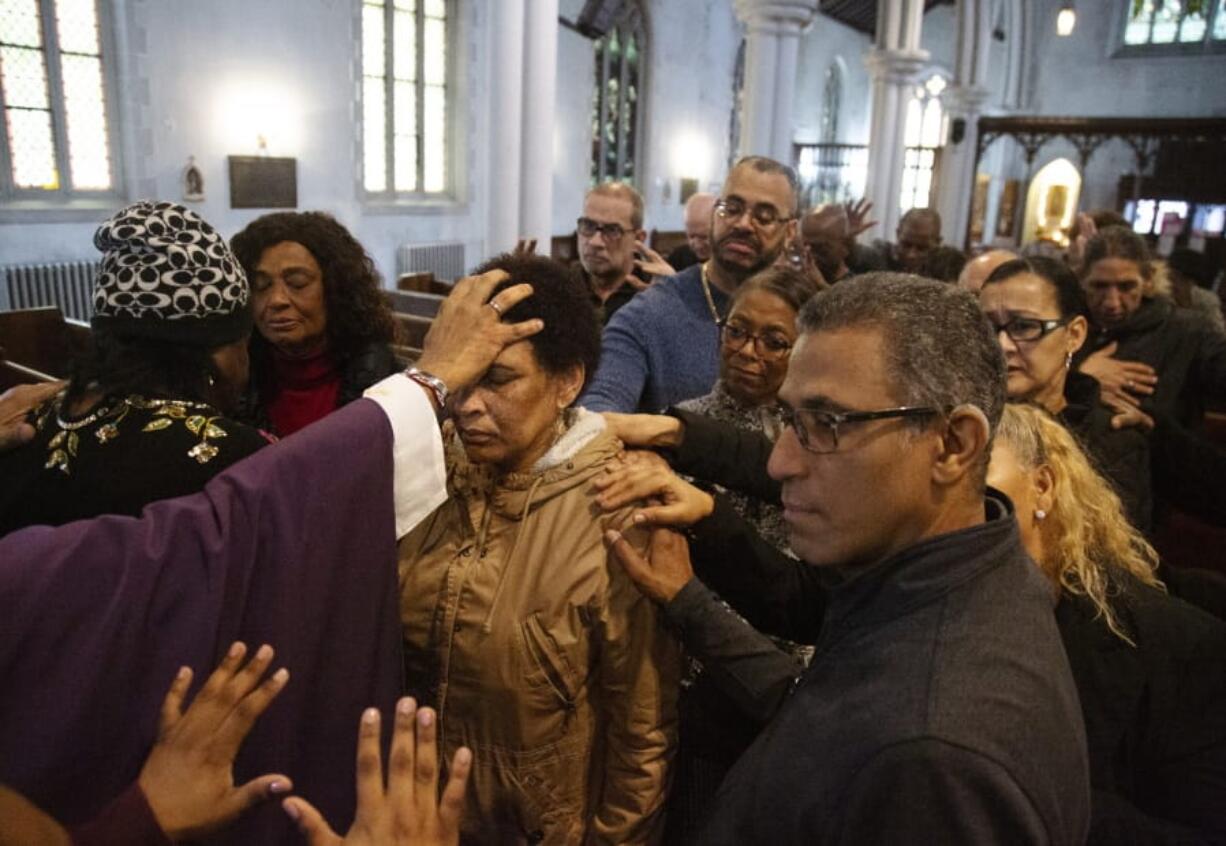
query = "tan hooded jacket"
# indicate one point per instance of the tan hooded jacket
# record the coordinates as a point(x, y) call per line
point(539, 653)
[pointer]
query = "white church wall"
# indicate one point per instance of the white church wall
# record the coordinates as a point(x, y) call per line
point(825, 42)
point(201, 79)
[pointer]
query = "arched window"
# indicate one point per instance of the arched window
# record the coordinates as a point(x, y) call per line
point(620, 61)
point(832, 100)
point(925, 133)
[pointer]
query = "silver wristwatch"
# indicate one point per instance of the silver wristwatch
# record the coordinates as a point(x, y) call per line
point(432, 383)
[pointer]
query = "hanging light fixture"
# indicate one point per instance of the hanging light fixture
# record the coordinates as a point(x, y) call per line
point(1066, 19)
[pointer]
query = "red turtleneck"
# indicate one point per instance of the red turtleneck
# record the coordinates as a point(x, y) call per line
point(302, 390)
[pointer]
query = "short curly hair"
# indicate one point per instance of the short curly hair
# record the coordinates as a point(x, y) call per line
point(560, 298)
point(358, 313)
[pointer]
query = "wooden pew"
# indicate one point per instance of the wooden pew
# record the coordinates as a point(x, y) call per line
point(417, 303)
point(415, 281)
point(665, 241)
point(41, 340)
point(412, 330)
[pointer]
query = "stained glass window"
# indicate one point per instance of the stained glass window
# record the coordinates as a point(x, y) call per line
point(405, 100)
point(923, 137)
point(1178, 25)
point(620, 57)
point(56, 139)
point(832, 99)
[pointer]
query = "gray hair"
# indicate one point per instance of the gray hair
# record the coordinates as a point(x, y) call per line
point(621, 191)
point(939, 349)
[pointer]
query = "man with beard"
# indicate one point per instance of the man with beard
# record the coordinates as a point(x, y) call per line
point(663, 347)
point(611, 225)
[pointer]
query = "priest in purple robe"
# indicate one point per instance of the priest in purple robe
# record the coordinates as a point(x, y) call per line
point(294, 546)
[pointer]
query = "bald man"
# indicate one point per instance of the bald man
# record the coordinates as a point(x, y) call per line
point(978, 269)
point(826, 232)
point(697, 246)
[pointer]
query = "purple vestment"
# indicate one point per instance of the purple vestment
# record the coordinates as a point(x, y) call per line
point(294, 546)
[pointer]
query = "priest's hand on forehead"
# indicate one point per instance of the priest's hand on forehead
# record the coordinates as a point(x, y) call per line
point(469, 332)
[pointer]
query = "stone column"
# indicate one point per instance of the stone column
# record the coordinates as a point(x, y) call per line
point(539, 106)
point(773, 30)
point(963, 102)
point(506, 81)
point(893, 64)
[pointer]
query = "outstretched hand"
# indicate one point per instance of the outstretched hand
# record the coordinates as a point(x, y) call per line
point(665, 571)
point(409, 811)
point(469, 333)
point(15, 404)
point(655, 431)
point(188, 778)
point(645, 476)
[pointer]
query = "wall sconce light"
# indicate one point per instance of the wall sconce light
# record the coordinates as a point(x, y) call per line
point(1066, 19)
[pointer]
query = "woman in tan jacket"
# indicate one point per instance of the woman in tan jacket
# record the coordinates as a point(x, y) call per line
point(537, 651)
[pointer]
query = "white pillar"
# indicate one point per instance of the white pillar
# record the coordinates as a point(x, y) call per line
point(773, 29)
point(964, 101)
point(893, 64)
point(506, 117)
point(539, 106)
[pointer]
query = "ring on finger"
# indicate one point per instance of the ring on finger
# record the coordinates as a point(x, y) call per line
point(497, 308)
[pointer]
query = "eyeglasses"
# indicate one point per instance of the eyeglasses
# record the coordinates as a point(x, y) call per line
point(588, 228)
point(818, 431)
point(771, 345)
point(1026, 329)
point(763, 215)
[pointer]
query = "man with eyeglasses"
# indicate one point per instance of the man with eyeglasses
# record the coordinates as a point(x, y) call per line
point(607, 231)
point(663, 347)
point(939, 706)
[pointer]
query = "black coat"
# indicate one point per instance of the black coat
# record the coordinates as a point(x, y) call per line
point(1188, 355)
point(1121, 455)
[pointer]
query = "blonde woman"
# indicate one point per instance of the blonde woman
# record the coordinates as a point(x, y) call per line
point(1150, 669)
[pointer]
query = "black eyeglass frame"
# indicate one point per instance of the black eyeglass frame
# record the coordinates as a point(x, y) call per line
point(758, 341)
point(834, 419)
point(1046, 327)
point(605, 229)
point(722, 210)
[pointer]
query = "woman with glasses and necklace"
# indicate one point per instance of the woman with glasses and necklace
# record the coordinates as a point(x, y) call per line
point(1039, 313)
point(755, 342)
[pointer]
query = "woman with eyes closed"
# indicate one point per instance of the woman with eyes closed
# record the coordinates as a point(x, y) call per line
point(1039, 312)
point(323, 328)
point(537, 651)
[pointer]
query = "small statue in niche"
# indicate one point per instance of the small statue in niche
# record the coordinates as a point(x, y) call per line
point(193, 182)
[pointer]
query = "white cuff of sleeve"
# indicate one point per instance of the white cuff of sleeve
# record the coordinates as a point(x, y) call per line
point(419, 475)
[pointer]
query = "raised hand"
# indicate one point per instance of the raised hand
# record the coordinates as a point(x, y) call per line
point(651, 262)
point(857, 217)
point(469, 333)
point(665, 571)
point(409, 811)
point(188, 778)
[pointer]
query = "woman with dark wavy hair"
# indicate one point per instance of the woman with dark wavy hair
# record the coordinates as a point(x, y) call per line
point(323, 327)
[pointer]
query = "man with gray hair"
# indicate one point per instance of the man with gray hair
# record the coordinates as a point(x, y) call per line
point(697, 247)
point(939, 706)
point(663, 347)
point(607, 232)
